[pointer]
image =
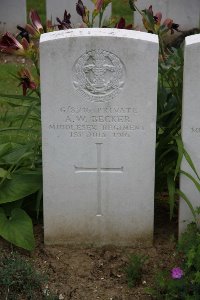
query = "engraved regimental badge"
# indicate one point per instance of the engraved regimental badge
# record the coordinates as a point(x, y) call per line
point(98, 75)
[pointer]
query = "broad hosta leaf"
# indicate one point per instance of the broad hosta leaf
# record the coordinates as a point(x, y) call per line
point(16, 153)
point(17, 229)
point(4, 173)
point(5, 148)
point(20, 186)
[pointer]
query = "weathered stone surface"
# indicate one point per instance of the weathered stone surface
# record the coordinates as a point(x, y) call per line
point(99, 90)
point(190, 127)
point(12, 13)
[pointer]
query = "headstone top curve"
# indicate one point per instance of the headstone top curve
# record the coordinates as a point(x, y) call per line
point(192, 39)
point(99, 32)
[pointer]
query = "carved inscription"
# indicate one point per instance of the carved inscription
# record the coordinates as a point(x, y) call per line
point(98, 75)
point(85, 122)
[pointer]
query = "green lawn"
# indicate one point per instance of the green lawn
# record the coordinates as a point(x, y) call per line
point(8, 83)
point(121, 9)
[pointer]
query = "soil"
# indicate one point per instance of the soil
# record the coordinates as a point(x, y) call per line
point(98, 273)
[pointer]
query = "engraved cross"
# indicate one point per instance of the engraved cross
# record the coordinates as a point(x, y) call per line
point(98, 170)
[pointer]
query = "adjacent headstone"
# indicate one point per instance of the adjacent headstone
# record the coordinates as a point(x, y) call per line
point(183, 12)
point(56, 9)
point(12, 13)
point(99, 90)
point(190, 127)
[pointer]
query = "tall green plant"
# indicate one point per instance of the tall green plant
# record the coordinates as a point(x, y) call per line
point(169, 146)
point(20, 143)
point(169, 112)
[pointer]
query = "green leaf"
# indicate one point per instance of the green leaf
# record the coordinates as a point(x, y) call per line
point(171, 189)
point(132, 6)
point(20, 186)
point(19, 97)
point(180, 155)
point(5, 148)
point(4, 173)
point(149, 18)
point(18, 129)
point(26, 115)
point(17, 153)
point(16, 103)
point(192, 179)
point(190, 162)
point(17, 229)
point(8, 207)
point(161, 116)
point(184, 197)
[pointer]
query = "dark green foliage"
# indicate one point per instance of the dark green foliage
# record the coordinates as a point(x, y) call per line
point(189, 245)
point(131, 4)
point(134, 269)
point(20, 169)
point(169, 112)
point(18, 279)
point(187, 287)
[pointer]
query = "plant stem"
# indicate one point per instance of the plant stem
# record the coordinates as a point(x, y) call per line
point(100, 17)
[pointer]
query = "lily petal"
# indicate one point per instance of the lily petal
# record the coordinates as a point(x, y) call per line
point(36, 21)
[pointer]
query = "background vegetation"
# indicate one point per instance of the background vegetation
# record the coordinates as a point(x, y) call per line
point(8, 84)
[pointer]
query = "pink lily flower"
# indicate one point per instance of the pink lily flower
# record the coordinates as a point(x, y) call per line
point(36, 28)
point(122, 24)
point(9, 44)
point(99, 5)
point(26, 81)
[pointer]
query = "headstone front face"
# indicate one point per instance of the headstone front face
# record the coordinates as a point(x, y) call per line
point(56, 9)
point(12, 13)
point(183, 12)
point(99, 91)
point(190, 127)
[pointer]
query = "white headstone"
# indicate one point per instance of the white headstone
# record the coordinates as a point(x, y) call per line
point(56, 9)
point(99, 90)
point(190, 126)
point(12, 13)
point(183, 12)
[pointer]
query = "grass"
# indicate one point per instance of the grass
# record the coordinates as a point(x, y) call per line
point(20, 280)
point(121, 9)
point(8, 83)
